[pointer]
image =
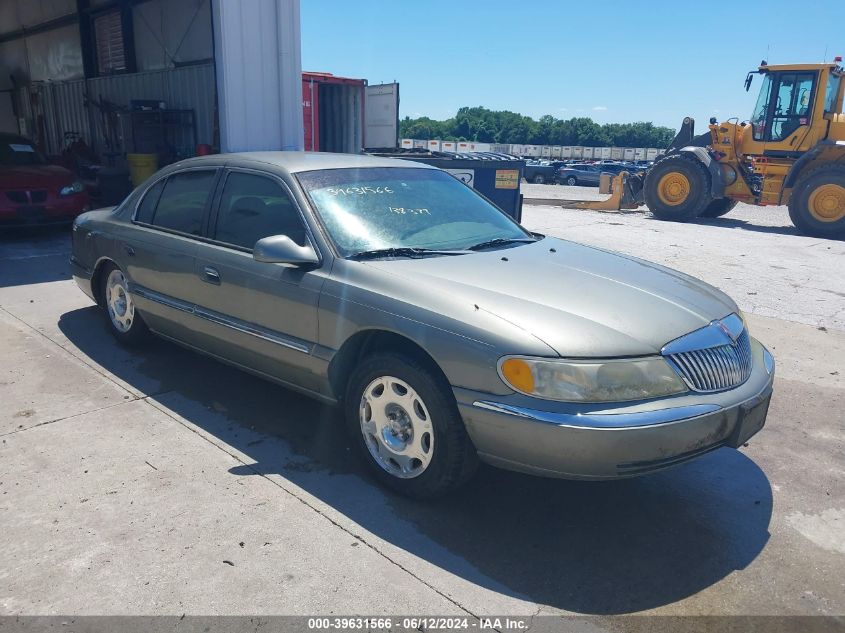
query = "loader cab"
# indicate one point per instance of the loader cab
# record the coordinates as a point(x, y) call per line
point(788, 117)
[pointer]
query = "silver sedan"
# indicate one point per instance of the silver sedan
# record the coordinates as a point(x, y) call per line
point(447, 332)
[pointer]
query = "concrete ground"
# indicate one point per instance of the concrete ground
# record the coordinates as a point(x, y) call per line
point(161, 482)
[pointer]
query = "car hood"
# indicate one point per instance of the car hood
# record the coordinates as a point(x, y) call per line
point(34, 177)
point(580, 301)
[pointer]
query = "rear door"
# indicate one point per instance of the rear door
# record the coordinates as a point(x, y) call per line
point(381, 116)
point(158, 250)
point(260, 315)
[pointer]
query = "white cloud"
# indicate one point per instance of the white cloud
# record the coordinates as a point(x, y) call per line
point(599, 108)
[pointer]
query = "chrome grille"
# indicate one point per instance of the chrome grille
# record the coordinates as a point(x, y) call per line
point(715, 368)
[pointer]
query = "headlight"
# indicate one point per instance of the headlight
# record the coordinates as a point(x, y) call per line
point(72, 188)
point(591, 381)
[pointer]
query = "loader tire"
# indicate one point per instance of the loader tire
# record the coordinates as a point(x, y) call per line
point(677, 188)
point(817, 203)
point(718, 208)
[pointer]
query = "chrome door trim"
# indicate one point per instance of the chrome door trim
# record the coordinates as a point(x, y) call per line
point(244, 327)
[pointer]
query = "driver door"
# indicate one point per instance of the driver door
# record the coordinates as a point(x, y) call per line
point(257, 314)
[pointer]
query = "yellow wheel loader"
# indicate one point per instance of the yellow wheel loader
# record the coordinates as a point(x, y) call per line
point(791, 151)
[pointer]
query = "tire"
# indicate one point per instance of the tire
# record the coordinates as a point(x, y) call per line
point(571, 181)
point(719, 207)
point(539, 179)
point(394, 407)
point(817, 203)
point(677, 188)
point(124, 321)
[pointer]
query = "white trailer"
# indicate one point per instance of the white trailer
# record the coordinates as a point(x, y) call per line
point(420, 144)
point(587, 153)
point(448, 146)
point(577, 152)
point(639, 153)
point(651, 153)
point(628, 153)
point(433, 145)
point(566, 152)
point(605, 153)
point(556, 151)
point(546, 151)
point(406, 143)
point(616, 153)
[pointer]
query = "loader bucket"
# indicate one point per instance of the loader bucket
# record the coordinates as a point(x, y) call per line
point(626, 192)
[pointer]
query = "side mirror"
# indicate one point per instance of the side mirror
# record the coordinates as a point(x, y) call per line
point(280, 249)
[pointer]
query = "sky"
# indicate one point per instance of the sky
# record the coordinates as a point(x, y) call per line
point(614, 61)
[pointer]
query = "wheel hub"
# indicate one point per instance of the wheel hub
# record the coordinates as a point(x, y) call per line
point(827, 203)
point(396, 427)
point(673, 188)
point(119, 303)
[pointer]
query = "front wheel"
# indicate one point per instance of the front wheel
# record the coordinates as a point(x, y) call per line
point(571, 181)
point(124, 321)
point(817, 203)
point(677, 188)
point(407, 428)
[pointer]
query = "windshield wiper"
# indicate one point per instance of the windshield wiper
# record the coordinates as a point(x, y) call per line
point(401, 251)
point(500, 241)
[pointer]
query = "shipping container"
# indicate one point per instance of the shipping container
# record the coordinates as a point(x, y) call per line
point(566, 152)
point(628, 153)
point(407, 143)
point(344, 115)
point(639, 153)
point(577, 152)
point(546, 151)
point(516, 149)
point(651, 153)
point(420, 144)
point(556, 151)
point(587, 153)
point(616, 153)
point(605, 153)
point(465, 146)
point(500, 148)
point(448, 146)
point(433, 145)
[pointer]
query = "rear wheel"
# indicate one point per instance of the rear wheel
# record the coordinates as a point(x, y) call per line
point(677, 188)
point(718, 208)
point(539, 179)
point(406, 426)
point(124, 321)
point(571, 181)
point(817, 203)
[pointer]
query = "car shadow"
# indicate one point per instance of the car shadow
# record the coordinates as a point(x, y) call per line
point(33, 255)
point(586, 547)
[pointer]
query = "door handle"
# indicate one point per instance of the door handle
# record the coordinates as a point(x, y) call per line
point(129, 250)
point(211, 275)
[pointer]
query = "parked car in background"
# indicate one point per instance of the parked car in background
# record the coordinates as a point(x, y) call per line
point(539, 172)
point(33, 191)
point(579, 174)
point(393, 290)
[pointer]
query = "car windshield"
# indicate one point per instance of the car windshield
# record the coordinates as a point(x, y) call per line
point(394, 208)
point(16, 152)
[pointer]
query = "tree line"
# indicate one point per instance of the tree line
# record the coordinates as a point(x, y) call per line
point(502, 126)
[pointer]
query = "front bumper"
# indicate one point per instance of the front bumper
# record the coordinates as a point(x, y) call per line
point(55, 210)
point(611, 443)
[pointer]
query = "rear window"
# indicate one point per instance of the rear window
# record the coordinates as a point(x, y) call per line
point(183, 201)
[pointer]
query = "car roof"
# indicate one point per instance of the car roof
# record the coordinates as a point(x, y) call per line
point(294, 162)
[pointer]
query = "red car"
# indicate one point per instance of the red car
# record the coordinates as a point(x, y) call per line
point(33, 191)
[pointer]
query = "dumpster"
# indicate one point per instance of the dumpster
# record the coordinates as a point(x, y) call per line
point(495, 176)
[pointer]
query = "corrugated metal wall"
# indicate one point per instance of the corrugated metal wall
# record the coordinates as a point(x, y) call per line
point(66, 108)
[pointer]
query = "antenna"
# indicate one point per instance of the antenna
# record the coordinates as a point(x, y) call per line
point(824, 60)
point(768, 45)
